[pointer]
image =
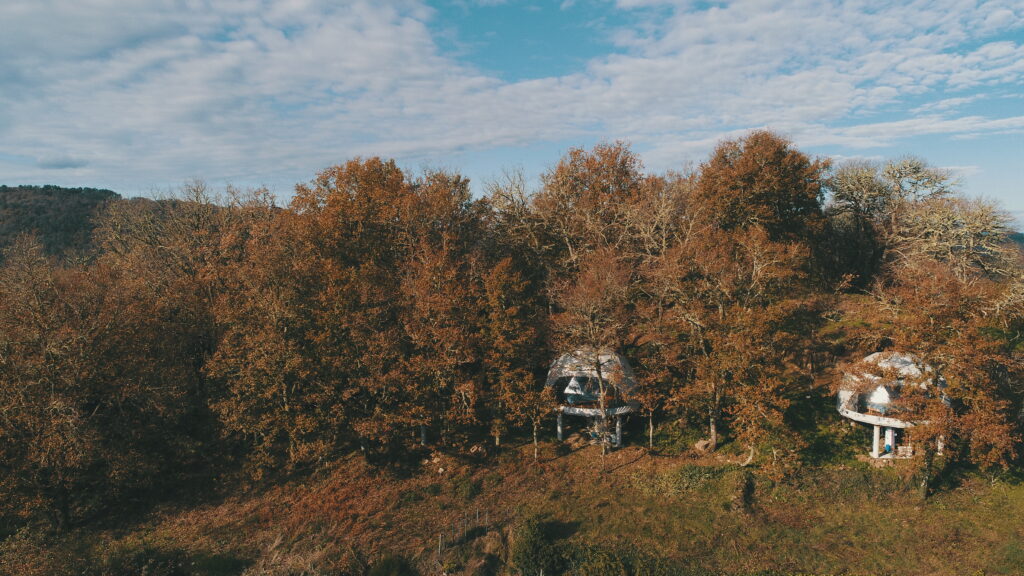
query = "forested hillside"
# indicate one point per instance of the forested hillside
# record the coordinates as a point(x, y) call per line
point(60, 218)
point(222, 341)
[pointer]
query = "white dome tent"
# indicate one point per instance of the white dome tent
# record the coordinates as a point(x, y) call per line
point(870, 392)
point(578, 379)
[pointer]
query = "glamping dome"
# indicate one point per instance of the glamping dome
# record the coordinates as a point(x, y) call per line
point(578, 379)
point(870, 394)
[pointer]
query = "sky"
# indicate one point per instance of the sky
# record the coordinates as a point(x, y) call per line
point(140, 96)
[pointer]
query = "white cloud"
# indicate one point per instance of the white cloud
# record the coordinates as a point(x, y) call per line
point(963, 171)
point(947, 104)
point(153, 92)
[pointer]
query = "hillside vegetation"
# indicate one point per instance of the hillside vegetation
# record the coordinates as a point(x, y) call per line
point(218, 384)
point(59, 218)
point(633, 513)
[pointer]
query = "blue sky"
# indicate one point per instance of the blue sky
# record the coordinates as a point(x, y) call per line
point(142, 95)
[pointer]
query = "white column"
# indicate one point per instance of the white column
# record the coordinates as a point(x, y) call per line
point(618, 431)
point(874, 442)
point(890, 438)
point(940, 443)
point(559, 425)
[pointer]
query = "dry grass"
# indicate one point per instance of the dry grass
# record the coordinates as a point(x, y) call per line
point(838, 520)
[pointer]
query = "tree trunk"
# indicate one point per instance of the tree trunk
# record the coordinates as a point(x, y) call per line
point(536, 454)
point(61, 512)
point(713, 433)
point(603, 427)
point(750, 457)
point(650, 429)
point(926, 471)
point(713, 421)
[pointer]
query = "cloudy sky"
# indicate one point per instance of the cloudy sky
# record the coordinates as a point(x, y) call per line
point(142, 95)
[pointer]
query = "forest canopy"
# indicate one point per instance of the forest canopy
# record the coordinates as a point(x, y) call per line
point(381, 310)
point(60, 218)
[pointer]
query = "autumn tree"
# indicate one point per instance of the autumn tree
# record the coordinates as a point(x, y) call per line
point(443, 384)
point(46, 435)
point(350, 229)
point(731, 307)
point(946, 295)
point(512, 352)
point(575, 230)
point(580, 207)
point(94, 388)
point(593, 318)
point(271, 394)
point(762, 180)
point(657, 222)
point(738, 306)
point(516, 345)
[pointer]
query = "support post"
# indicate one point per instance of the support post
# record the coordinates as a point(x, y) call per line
point(559, 425)
point(875, 441)
point(890, 439)
point(618, 431)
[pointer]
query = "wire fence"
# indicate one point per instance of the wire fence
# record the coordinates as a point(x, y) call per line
point(466, 527)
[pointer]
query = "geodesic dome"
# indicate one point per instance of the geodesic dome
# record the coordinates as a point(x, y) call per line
point(574, 377)
point(870, 390)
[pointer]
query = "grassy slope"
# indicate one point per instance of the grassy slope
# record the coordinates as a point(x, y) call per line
point(837, 519)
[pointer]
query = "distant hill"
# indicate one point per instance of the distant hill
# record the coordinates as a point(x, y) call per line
point(1018, 237)
point(61, 218)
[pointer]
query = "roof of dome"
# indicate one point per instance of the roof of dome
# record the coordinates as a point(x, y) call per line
point(893, 370)
point(876, 381)
point(906, 365)
point(614, 367)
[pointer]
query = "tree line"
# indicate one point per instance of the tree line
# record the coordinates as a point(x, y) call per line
point(60, 218)
point(379, 309)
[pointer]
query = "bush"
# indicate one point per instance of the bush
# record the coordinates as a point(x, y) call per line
point(466, 488)
point(532, 551)
point(392, 565)
point(688, 478)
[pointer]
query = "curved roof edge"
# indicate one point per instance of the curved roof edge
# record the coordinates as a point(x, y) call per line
point(615, 368)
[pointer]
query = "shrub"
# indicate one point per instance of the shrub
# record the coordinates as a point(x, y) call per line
point(532, 551)
point(392, 565)
point(466, 488)
point(685, 479)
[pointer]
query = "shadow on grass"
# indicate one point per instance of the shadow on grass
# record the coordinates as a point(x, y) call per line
point(218, 564)
point(639, 456)
point(559, 530)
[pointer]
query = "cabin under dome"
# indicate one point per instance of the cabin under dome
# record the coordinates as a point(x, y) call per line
point(870, 394)
point(578, 380)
